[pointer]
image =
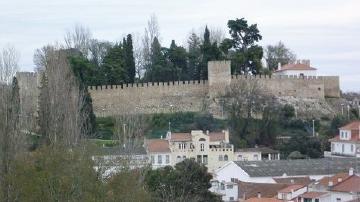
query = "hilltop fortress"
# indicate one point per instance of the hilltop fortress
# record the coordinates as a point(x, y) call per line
point(162, 97)
point(185, 96)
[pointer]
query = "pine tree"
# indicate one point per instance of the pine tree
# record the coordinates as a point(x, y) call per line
point(194, 57)
point(113, 66)
point(129, 58)
point(159, 69)
point(177, 56)
point(209, 52)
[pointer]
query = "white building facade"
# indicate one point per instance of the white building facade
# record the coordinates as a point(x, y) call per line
point(347, 142)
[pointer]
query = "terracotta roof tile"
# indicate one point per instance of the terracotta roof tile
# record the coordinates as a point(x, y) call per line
point(313, 195)
point(181, 137)
point(334, 179)
point(293, 180)
point(255, 199)
point(250, 189)
point(158, 145)
point(351, 184)
point(354, 125)
point(214, 137)
point(291, 188)
point(295, 67)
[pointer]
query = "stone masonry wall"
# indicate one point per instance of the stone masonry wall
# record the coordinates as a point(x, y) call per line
point(149, 98)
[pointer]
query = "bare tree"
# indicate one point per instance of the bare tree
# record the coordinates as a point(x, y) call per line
point(40, 56)
point(62, 118)
point(78, 38)
point(9, 59)
point(151, 31)
point(98, 50)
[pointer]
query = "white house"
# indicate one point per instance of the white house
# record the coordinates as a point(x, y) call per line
point(291, 192)
point(347, 142)
point(256, 154)
point(159, 152)
point(300, 68)
point(266, 171)
point(227, 190)
point(315, 197)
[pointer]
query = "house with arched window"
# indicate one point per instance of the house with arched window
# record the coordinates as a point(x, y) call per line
point(212, 149)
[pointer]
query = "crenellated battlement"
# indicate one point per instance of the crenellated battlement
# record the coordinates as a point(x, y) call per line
point(150, 85)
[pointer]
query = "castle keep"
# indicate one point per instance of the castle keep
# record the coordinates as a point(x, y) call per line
point(192, 96)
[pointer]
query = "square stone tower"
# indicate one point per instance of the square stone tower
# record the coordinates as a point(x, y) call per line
point(219, 76)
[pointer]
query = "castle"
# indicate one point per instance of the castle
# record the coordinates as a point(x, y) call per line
point(185, 96)
point(193, 96)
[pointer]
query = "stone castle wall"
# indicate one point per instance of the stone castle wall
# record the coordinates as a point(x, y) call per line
point(176, 96)
point(29, 93)
point(149, 98)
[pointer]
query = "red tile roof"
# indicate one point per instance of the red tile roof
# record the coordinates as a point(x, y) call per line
point(251, 189)
point(263, 200)
point(295, 67)
point(293, 180)
point(334, 179)
point(180, 137)
point(354, 125)
point(351, 184)
point(214, 137)
point(312, 195)
point(158, 146)
point(291, 188)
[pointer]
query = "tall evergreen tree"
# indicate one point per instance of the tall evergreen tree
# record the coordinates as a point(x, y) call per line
point(194, 57)
point(129, 60)
point(159, 69)
point(209, 51)
point(113, 66)
point(178, 60)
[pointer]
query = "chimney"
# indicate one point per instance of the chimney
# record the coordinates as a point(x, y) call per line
point(207, 132)
point(331, 183)
point(351, 171)
point(259, 195)
point(339, 179)
point(279, 66)
point(292, 181)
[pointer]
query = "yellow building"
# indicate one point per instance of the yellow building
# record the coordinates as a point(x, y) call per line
point(211, 149)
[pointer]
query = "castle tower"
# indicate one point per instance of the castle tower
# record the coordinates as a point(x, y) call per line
point(219, 76)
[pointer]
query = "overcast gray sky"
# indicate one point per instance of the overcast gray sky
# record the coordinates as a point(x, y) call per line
point(324, 31)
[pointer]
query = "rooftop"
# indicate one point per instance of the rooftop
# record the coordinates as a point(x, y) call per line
point(293, 180)
point(296, 66)
point(351, 184)
point(354, 125)
point(313, 195)
point(264, 150)
point(158, 146)
point(250, 189)
point(255, 199)
point(324, 166)
point(291, 188)
point(180, 137)
point(334, 179)
point(214, 137)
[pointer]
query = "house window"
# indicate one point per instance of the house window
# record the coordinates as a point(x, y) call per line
point(152, 159)
point(205, 159)
point(178, 158)
point(229, 186)
point(307, 200)
point(222, 186)
point(184, 157)
point(220, 158)
point(338, 199)
point(167, 159)
point(316, 200)
point(240, 157)
point(256, 157)
point(226, 157)
point(202, 147)
point(231, 198)
point(159, 159)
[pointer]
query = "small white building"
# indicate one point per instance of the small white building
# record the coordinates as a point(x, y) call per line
point(347, 142)
point(315, 197)
point(227, 190)
point(159, 152)
point(299, 68)
point(291, 192)
point(256, 154)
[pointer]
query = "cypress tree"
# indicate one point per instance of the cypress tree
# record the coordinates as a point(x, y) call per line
point(129, 59)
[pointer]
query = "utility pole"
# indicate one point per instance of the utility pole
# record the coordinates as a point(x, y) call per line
point(313, 124)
